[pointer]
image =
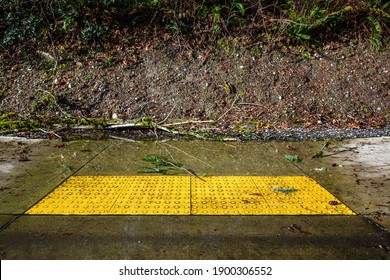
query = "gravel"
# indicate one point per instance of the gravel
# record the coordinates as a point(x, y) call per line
point(295, 134)
point(315, 135)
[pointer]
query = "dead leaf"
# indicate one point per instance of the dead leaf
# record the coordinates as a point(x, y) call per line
point(257, 194)
point(291, 148)
point(62, 145)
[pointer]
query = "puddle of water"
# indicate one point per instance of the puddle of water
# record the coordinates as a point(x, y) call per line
point(6, 167)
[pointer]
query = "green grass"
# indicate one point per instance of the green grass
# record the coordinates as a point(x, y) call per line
point(160, 164)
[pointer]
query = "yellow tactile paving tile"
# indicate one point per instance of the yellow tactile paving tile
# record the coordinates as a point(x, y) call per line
point(154, 195)
point(185, 195)
point(120, 195)
point(227, 195)
point(299, 195)
point(263, 195)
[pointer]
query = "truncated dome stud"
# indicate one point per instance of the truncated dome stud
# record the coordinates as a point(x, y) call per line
point(188, 195)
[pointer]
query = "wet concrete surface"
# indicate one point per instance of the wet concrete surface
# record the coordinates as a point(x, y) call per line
point(194, 237)
point(345, 170)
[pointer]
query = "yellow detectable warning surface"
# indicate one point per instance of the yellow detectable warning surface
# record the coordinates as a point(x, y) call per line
point(188, 195)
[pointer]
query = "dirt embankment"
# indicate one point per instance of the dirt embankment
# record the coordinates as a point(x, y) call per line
point(244, 90)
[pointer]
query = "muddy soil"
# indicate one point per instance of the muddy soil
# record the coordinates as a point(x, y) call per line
point(245, 90)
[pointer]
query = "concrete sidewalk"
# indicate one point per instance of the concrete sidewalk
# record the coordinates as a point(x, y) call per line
point(355, 171)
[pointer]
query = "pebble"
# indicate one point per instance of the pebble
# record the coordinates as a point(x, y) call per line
point(294, 134)
point(299, 134)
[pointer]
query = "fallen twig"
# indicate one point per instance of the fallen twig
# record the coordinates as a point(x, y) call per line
point(124, 125)
point(164, 120)
point(321, 152)
point(121, 138)
point(340, 151)
point(50, 132)
point(231, 108)
point(189, 122)
point(250, 104)
point(141, 125)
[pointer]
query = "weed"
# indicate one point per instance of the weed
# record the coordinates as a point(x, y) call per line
point(302, 21)
point(284, 190)
point(378, 18)
point(228, 46)
point(44, 100)
point(108, 59)
point(242, 129)
point(256, 51)
point(160, 161)
point(292, 158)
point(88, 78)
point(47, 65)
point(307, 55)
point(65, 167)
point(30, 23)
point(161, 165)
point(165, 166)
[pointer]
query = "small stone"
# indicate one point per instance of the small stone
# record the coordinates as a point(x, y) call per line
point(319, 169)
point(333, 202)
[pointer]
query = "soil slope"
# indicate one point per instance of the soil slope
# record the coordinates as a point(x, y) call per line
point(244, 90)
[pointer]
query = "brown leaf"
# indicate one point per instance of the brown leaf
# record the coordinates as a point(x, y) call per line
point(291, 148)
point(257, 194)
point(62, 145)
